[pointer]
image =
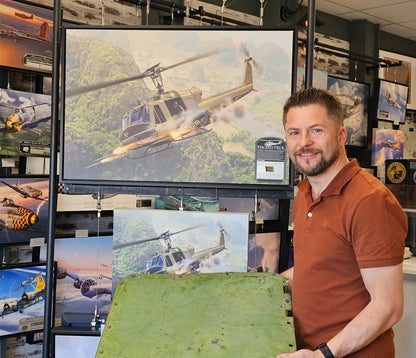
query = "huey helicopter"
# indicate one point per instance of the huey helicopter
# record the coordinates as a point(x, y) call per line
point(27, 114)
point(25, 191)
point(174, 115)
point(88, 286)
point(28, 298)
point(176, 259)
point(15, 217)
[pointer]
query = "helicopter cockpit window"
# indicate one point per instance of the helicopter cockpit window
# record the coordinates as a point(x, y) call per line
point(125, 121)
point(175, 106)
point(178, 256)
point(159, 116)
point(168, 261)
point(140, 115)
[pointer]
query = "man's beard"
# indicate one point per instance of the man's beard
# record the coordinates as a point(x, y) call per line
point(321, 166)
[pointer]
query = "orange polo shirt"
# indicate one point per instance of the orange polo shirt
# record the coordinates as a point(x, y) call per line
point(355, 223)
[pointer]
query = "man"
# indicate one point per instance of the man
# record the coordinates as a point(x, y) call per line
point(349, 235)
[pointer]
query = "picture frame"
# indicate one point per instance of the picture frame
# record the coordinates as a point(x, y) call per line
point(391, 101)
point(81, 342)
point(222, 144)
point(386, 144)
point(84, 281)
point(404, 74)
point(23, 291)
point(28, 36)
point(27, 123)
point(355, 97)
point(24, 209)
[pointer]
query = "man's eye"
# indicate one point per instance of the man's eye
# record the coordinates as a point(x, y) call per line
point(316, 130)
point(293, 133)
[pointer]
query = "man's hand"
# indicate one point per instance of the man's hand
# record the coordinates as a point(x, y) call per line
point(303, 353)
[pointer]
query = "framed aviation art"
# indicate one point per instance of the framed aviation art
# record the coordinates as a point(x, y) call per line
point(392, 101)
point(176, 107)
point(26, 36)
point(354, 97)
point(23, 209)
point(23, 295)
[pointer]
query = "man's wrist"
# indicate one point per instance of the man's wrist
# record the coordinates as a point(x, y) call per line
point(325, 350)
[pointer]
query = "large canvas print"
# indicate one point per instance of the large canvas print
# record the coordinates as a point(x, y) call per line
point(25, 123)
point(23, 209)
point(22, 294)
point(167, 241)
point(25, 36)
point(354, 97)
point(392, 101)
point(176, 106)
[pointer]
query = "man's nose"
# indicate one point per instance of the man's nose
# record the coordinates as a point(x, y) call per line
point(305, 139)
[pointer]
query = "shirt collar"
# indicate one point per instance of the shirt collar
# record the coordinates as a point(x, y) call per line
point(337, 184)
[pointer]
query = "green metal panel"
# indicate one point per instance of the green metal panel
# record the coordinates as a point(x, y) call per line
point(199, 315)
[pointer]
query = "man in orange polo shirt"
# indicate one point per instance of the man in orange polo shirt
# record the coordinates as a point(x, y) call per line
point(349, 236)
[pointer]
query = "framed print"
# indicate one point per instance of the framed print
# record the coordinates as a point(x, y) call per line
point(22, 299)
point(26, 36)
point(392, 101)
point(23, 209)
point(404, 74)
point(354, 97)
point(387, 144)
point(83, 281)
point(176, 107)
point(26, 123)
point(80, 343)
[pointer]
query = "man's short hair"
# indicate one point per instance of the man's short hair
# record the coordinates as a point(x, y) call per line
point(308, 96)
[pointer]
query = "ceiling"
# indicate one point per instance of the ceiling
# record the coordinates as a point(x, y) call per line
point(395, 16)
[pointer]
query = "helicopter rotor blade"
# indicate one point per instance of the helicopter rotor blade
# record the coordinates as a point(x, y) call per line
point(150, 71)
point(194, 58)
point(164, 235)
point(131, 243)
point(81, 90)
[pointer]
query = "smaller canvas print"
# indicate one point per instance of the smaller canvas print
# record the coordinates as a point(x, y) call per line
point(392, 101)
point(263, 252)
point(178, 242)
point(22, 295)
point(23, 209)
point(26, 123)
point(354, 97)
point(387, 144)
point(83, 274)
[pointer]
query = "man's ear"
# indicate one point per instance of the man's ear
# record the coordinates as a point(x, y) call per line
point(342, 135)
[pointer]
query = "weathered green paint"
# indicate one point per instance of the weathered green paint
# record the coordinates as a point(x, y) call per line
point(199, 315)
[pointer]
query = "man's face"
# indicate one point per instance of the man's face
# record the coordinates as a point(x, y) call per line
point(313, 139)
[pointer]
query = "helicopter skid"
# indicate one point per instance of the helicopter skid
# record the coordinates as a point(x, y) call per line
point(151, 149)
point(168, 144)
